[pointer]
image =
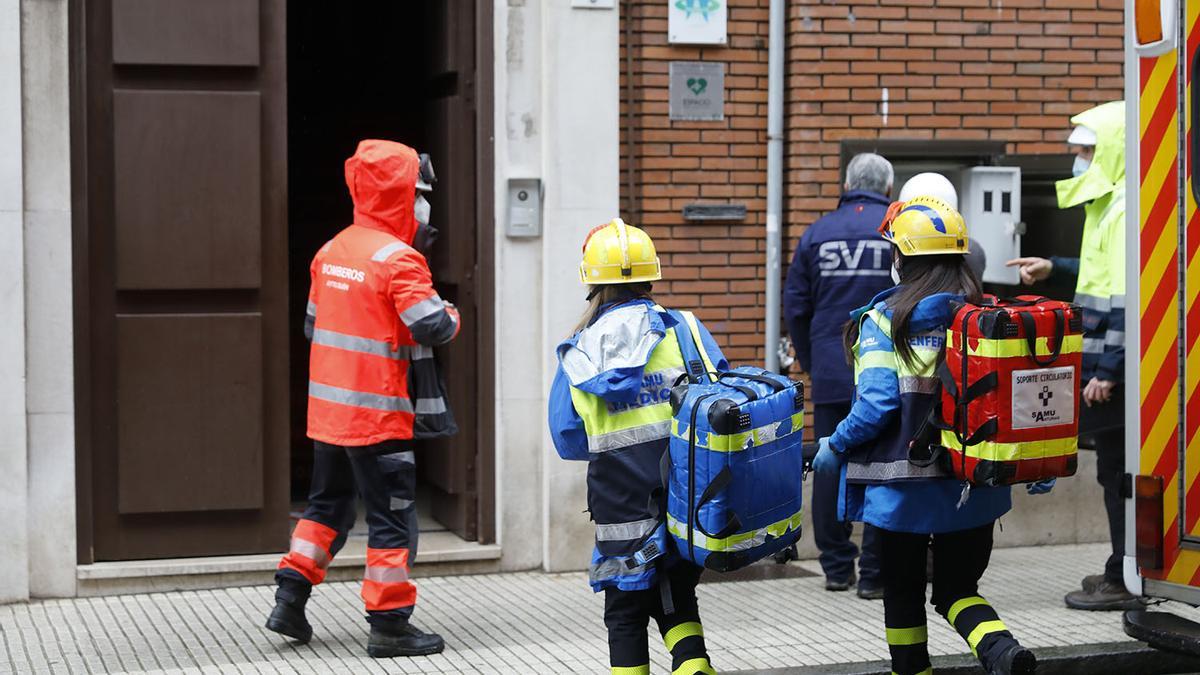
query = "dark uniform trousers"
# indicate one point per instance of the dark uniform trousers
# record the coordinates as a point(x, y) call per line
point(628, 613)
point(384, 475)
point(1105, 423)
point(959, 560)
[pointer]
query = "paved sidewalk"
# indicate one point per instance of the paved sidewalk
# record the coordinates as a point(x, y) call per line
point(525, 623)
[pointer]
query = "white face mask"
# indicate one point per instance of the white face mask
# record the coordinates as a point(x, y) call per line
point(421, 210)
point(1081, 165)
point(895, 274)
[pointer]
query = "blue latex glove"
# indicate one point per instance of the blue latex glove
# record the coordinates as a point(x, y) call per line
point(1041, 487)
point(827, 458)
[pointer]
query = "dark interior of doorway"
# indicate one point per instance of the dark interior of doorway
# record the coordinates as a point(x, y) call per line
point(355, 71)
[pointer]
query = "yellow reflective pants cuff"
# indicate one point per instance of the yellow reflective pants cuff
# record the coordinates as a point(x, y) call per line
point(983, 630)
point(927, 671)
point(631, 670)
point(694, 667)
point(681, 632)
point(907, 636)
point(959, 606)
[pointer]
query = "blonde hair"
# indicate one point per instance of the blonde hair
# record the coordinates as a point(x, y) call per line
point(606, 294)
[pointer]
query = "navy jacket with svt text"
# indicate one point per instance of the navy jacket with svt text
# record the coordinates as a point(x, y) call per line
point(840, 263)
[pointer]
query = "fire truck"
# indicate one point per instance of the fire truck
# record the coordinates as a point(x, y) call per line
point(1162, 317)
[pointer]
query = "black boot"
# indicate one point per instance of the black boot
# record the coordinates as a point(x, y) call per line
point(1014, 660)
point(288, 619)
point(403, 641)
point(288, 616)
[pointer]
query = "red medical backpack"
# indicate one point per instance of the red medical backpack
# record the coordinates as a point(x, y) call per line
point(1009, 408)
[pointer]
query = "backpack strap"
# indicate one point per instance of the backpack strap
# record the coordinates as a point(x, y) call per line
point(695, 359)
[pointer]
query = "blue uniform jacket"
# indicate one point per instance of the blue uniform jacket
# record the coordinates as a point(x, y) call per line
point(839, 265)
point(920, 506)
point(627, 482)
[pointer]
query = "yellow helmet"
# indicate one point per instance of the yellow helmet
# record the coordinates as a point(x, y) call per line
point(616, 253)
point(925, 226)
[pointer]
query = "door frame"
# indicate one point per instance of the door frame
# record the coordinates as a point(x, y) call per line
point(81, 109)
point(485, 277)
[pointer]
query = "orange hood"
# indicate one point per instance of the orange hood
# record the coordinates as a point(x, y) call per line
point(382, 177)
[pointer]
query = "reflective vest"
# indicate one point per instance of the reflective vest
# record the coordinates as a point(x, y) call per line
point(1100, 289)
point(368, 290)
point(886, 459)
point(626, 443)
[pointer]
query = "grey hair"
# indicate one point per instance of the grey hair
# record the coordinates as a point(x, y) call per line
point(869, 171)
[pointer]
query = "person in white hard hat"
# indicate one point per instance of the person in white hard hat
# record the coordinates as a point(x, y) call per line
point(931, 184)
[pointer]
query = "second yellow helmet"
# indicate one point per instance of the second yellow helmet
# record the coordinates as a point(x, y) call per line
point(925, 226)
point(616, 253)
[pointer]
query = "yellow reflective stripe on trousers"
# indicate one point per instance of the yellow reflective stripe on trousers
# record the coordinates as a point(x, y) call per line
point(682, 632)
point(694, 667)
point(631, 670)
point(1013, 347)
point(959, 606)
point(927, 671)
point(995, 451)
point(983, 630)
point(736, 542)
point(740, 441)
point(907, 636)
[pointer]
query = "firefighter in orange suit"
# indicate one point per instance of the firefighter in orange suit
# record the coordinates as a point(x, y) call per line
point(373, 317)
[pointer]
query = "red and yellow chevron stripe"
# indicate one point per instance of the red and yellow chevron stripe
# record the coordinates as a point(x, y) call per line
point(1159, 311)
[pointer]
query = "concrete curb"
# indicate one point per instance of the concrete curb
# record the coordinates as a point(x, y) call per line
point(1113, 658)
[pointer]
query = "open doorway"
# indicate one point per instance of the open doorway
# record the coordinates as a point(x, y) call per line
point(403, 72)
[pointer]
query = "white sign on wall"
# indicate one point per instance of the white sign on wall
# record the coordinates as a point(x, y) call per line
point(697, 22)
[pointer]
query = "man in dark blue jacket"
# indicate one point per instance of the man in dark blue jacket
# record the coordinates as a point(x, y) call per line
point(839, 265)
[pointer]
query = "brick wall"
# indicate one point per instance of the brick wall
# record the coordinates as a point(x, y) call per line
point(965, 70)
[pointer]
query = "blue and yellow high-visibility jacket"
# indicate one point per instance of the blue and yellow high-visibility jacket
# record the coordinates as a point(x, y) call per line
point(610, 405)
point(892, 398)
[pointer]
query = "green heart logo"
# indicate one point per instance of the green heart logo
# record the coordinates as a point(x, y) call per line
point(697, 85)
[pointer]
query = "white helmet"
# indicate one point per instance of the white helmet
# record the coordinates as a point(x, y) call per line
point(930, 185)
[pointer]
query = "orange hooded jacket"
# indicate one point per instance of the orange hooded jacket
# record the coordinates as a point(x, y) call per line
point(373, 314)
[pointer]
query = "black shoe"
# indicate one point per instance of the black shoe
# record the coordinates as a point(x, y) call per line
point(1016, 660)
point(843, 585)
point(868, 592)
point(1090, 582)
point(407, 641)
point(288, 619)
point(1105, 597)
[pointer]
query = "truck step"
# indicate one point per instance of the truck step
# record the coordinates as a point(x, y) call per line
point(1164, 630)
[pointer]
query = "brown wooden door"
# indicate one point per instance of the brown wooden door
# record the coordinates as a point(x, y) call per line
point(450, 466)
point(182, 250)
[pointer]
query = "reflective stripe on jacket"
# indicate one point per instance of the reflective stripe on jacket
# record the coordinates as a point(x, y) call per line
point(373, 314)
point(610, 404)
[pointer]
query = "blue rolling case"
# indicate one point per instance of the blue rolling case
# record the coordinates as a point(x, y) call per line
point(736, 465)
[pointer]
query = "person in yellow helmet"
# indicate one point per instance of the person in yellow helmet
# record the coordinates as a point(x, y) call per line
point(895, 344)
point(610, 406)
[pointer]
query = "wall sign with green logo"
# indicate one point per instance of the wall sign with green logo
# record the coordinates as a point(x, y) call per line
point(697, 90)
point(697, 22)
